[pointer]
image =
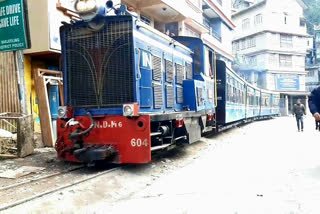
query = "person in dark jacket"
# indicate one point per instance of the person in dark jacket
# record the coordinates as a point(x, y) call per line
point(299, 110)
point(314, 105)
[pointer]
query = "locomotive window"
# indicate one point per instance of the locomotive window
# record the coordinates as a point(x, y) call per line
point(208, 62)
point(197, 60)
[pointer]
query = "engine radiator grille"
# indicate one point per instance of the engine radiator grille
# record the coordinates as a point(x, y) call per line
point(170, 96)
point(189, 70)
point(99, 64)
point(157, 91)
point(179, 95)
point(179, 72)
point(169, 71)
point(156, 65)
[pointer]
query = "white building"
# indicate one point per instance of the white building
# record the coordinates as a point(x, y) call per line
point(209, 20)
point(313, 62)
point(270, 44)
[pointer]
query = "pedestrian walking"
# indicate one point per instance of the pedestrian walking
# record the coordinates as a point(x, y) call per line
point(299, 110)
point(314, 105)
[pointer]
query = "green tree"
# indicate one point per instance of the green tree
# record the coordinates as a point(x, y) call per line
point(312, 14)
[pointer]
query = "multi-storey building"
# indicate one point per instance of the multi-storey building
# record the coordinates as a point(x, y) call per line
point(270, 44)
point(313, 62)
point(209, 20)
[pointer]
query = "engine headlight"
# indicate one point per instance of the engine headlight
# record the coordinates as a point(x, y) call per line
point(128, 110)
point(83, 6)
point(91, 4)
point(62, 111)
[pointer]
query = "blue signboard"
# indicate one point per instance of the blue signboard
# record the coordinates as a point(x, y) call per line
point(288, 82)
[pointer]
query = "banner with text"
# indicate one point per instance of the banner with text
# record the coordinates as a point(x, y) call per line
point(288, 82)
point(14, 32)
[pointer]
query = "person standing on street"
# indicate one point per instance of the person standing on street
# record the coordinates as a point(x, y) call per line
point(314, 105)
point(299, 110)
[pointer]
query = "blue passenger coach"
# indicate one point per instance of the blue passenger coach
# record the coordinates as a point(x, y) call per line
point(252, 101)
point(231, 95)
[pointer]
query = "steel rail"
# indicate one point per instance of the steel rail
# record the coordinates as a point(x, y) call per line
point(22, 201)
point(40, 178)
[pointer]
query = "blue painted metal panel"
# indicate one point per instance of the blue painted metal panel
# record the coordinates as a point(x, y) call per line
point(192, 95)
point(145, 77)
point(235, 112)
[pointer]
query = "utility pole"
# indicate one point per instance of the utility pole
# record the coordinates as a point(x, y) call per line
point(19, 67)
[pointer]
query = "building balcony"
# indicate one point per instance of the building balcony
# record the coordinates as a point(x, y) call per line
point(269, 26)
point(164, 11)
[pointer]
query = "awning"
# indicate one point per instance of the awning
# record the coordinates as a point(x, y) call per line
point(295, 93)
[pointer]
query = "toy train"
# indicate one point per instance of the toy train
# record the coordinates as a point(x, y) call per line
point(131, 90)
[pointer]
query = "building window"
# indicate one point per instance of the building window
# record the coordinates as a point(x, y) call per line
point(236, 46)
point(285, 19)
point(273, 59)
point(251, 42)
point(252, 60)
point(302, 22)
point(145, 19)
point(245, 24)
point(311, 73)
point(243, 44)
point(285, 60)
point(220, 2)
point(285, 41)
point(258, 19)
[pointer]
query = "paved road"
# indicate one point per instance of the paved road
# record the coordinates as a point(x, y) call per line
point(264, 167)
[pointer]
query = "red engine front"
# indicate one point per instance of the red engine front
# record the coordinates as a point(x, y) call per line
point(118, 139)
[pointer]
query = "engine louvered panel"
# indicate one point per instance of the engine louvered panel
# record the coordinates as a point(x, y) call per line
point(157, 96)
point(199, 98)
point(179, 72)
point(96, 74)
point(189, 71)
point(170, 96)
point(179, 95)
point(156, 67)
point(169, 71)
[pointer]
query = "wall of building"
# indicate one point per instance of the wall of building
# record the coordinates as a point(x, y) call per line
point(287, 19)
point(274, 49)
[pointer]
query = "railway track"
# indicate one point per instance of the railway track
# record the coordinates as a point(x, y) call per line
point(22, 192)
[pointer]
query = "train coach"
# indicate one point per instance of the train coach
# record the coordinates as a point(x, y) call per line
point(239, 101)
point(131, 90)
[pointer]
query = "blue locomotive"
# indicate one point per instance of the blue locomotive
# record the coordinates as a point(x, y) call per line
point(131, 90)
